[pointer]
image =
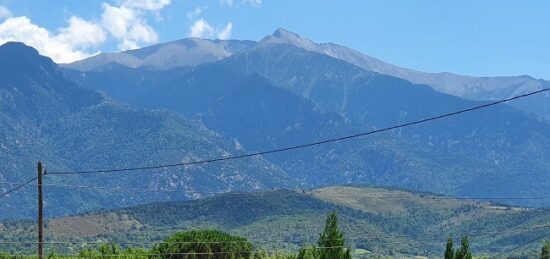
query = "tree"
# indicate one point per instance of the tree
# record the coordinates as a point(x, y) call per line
point(545, 254)
point(331, 242)
point(449, 251)
point(110, 251)
point(204, 244)
point(464, 251)
point(308, 253)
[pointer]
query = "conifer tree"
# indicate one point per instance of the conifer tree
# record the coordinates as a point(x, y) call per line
point(331, 242)
point(308, 253)
point(545, 254)
point(464, 251)
point(449, 251)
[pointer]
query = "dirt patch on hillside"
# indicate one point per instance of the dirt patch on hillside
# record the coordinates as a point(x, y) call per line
point(92, 225)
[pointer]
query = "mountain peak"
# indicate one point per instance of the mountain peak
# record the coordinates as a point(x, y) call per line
point(284, 33)
point(180, 53)
point(14, 55)
point(283, 36)
point(17, 48)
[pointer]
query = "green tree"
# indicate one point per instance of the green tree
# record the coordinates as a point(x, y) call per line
point(545, 254)
point(308, 253)
point(204, 244)
point(464, 251)
point(332, 242)
point(449, 251)
point(111, 251)
point(263, 254)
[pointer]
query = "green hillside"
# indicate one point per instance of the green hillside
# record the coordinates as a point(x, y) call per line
point(383, 221)
point(43, 116)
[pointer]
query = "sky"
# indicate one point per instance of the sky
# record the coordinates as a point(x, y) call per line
point(472, 37)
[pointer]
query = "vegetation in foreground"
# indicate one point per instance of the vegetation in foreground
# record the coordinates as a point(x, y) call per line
point(214, 244)
point(417, 225)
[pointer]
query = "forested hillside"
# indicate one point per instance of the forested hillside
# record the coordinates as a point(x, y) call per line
point(44, 116)
point(384, 221)
point(279, 95)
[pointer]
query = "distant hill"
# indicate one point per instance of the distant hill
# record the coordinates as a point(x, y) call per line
point(384, 221)
point(46, 117)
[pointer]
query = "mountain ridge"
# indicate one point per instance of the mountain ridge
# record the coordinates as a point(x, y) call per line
point(50, 119)
point(312, 97)
point(179, 53)
point(464, 86)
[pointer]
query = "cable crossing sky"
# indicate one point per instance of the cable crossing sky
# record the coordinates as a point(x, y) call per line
point(198, 162)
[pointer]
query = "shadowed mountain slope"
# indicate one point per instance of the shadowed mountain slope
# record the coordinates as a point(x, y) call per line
point(46, 117)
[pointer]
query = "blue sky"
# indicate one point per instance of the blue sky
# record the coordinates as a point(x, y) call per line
point(484, 38)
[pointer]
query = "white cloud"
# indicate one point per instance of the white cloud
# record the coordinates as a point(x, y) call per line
point(70, 44)
point(196, 12)
point(226, 32)
point(81, 33)
point(202, 29)
point(226, 2)
point(252, 2)
point(151, 5)
point(4, 12)
point(127, 25)
point(231, 3)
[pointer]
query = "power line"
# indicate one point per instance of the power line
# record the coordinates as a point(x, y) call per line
point(183, 253)
point(450, 198)
point(473, 235)
point(520, 246)
point(299, 146)
point(265, 192)
point(18, 187)
point(119, 243)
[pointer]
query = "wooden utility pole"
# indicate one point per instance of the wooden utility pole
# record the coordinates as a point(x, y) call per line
point(40, 214)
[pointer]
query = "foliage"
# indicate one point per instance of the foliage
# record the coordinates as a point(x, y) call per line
point(112, 250)
point(271, 224)
point(332, 242)
point(204, 244)
point(44, 116)
point(308, 253)
point(545, 254)
point(263, 254)
point(213, 244)
point(463, 252)
point(449, 251)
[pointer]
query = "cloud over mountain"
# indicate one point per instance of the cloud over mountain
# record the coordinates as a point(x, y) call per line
point(126, 23)
point(69, 44)
point(202, 29)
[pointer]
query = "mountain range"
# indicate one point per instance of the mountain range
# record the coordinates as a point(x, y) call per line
point(46, 117)
point(194, 51)
point(196, 99)
point(285, 90)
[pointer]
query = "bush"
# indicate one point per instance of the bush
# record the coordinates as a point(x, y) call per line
point(211, 244)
